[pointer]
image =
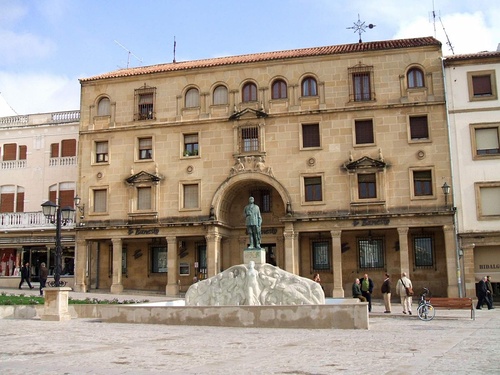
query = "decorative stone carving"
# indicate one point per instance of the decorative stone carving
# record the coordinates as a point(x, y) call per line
point(255, 285)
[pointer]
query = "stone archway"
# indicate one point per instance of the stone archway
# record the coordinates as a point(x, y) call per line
point(241, 183)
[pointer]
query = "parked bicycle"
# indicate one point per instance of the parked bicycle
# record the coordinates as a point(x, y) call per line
point(425, 310)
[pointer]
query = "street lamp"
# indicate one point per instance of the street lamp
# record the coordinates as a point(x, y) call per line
point(57, 215)
point(81, 207)
point(446, 191)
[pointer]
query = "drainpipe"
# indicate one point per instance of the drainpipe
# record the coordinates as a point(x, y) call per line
point(455, 222)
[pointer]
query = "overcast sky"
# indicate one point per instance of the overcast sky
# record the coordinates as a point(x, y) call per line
point(47, 45)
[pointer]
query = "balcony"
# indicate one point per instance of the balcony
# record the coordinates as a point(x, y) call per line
point(12, 221)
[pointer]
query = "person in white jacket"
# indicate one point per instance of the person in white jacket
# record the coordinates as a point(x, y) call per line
point(406, 300)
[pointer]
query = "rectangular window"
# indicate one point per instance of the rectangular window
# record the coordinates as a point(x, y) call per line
point(23, 150)
point(250, 139)
point(190, 144)
point(313, 189)
point(54, 150)
point(310, 135)
point(424, 251)
point(159, 258)
point(419, 128)
point(489, 200)
point(320, 255)
point(201, 249)
point(68, 147)
point(101, 152)
point(144, 198)
point(191, 199)
point(364, 132)
point(361, 86)
point(144, 101)
point(367, 185)
point(422, 183)
point(145, 148)
point(371, 253)
point(9, 151)
point(487, 141)
point(482, 85)
point(100, 200)
point(262, 199)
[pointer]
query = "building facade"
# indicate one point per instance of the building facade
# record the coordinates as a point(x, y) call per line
point(344, 148)
point(38, 162)
point(474, 118)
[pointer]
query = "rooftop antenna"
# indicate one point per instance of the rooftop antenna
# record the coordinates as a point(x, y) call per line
point(448, 42)
point(175, 43)
point(129, 53)
point(360, 27)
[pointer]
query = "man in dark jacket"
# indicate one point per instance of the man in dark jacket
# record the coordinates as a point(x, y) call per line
point(482, 291)
point(25, 275)
point(367, 290)
point(44, 273)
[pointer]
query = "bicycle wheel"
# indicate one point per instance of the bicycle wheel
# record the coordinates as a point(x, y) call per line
point(426, 312)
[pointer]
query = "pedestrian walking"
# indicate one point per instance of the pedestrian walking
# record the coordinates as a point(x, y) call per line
point(25, 275)
point(386, 292)
point(402, 290)
point(482, 293)
point(489, 294)
point(44, 273)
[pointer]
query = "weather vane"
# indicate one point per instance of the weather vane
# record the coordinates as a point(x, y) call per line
point(360, 27)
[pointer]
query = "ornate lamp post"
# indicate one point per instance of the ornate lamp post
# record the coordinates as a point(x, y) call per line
point(446, 191)
point(57, 215)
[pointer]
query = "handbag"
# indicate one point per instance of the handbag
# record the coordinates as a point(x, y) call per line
point(408, 289)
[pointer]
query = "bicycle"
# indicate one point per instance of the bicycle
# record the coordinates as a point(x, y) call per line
point(425, 310)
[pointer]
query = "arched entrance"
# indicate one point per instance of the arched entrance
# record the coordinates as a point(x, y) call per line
point(228, 203)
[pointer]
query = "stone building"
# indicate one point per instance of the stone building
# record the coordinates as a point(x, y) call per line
point(344, 148)
point(474, 119)
point(38, 162)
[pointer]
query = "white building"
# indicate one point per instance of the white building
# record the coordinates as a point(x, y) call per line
point(472, 83)
point(38, 163)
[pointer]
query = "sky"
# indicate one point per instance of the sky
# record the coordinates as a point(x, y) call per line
point(46, 46)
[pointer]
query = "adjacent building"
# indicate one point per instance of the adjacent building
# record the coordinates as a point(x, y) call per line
point(38, 163)
point(345, 149)
point(472, 83)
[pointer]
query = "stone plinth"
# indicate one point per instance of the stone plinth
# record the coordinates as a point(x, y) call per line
point(56, 304)
point(257, 255)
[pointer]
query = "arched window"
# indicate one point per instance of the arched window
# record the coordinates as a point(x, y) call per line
point(279, 89)
point(415, 78)
point(220, 95)
point(103, 107)
point(309, 87)
point(249, 92)
point(192, 98)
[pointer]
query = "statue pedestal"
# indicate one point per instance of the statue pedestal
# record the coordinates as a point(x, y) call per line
point(56, 304)
point(257, 255)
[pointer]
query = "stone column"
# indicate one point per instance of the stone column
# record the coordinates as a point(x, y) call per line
point(291, 249)
point(338, 288)
point(451, 260)
point(468, 276)
point(213, 239)
point(172, 288)
point(117, 286)
point(404, 257)
point(81, 260)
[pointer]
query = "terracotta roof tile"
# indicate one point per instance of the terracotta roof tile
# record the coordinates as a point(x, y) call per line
point(472, 56)
point(269, 56)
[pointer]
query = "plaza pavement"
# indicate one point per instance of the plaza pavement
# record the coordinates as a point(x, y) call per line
point(395, 344)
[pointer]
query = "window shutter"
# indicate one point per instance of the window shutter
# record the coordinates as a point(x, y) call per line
point(364, 132)
point(22, 152)
point(7, 202)
point(68, 147)
point(190, 196)
point(310, 135)
point(419, 128)
point(9, 151)
point(481, 85)
point(54, 150)
point(20, 201)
